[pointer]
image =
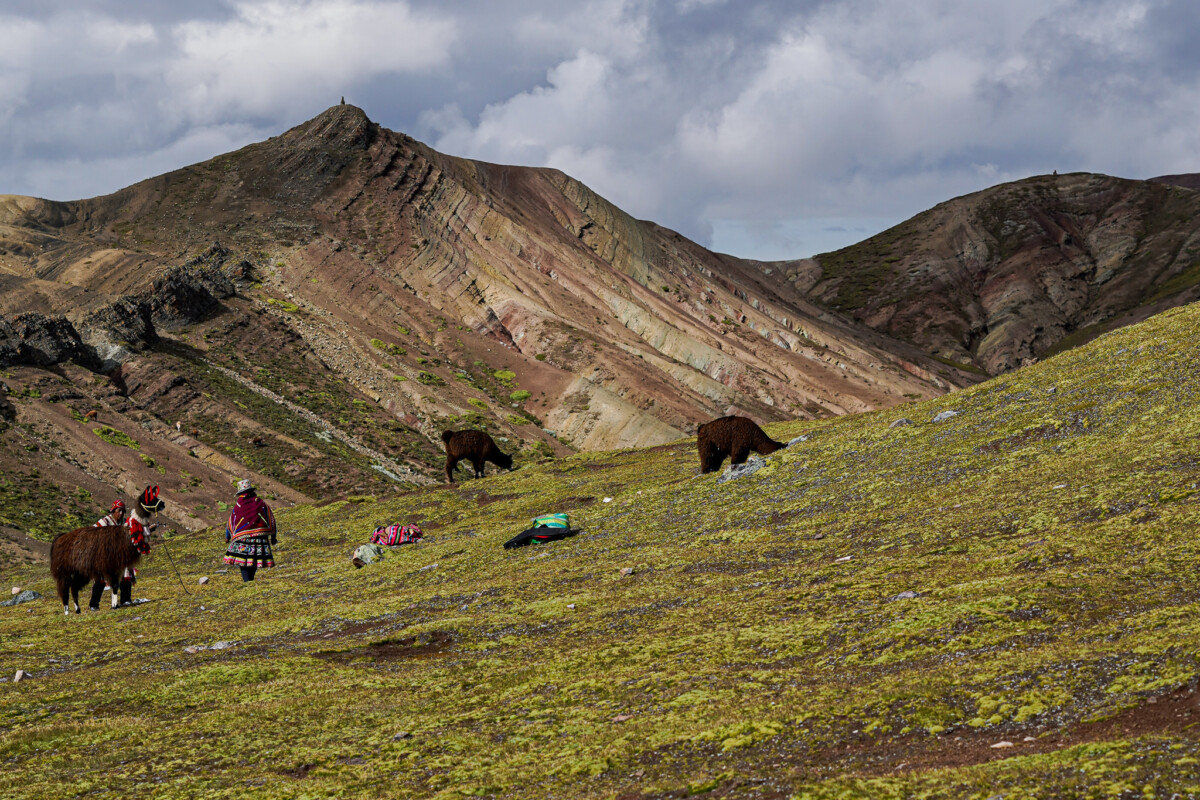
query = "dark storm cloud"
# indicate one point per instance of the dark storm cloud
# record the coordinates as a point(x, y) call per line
point(769, 128)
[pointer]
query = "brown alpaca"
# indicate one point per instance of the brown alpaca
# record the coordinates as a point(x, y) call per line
point(100, 553)
point(734, 437)
point(475, 446)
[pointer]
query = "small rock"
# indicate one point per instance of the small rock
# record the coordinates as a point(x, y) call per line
point(818, 536)
point(401, 735)
point(626, 571)
point(900, 423)
point(203, 580)
point(1052, 390)
point(1061, 486)
point(906, 595)
point(220, 646)
point(571, 606)
point(1000, 745)
point(20, 676)
point(797, 440)
point(191, 649)
point(606, 500)
point(428, 566)
point(945, 415)
point(16, 590)
point(622, 717)
point(843, 558)
point(1030, 739)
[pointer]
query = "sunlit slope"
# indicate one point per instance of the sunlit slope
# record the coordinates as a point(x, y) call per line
point(759, 648)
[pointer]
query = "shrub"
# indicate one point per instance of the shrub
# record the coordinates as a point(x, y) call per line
point(475, 401)
point(429, 379)
point(520, 396)
point(114, 436)
point(540, 356)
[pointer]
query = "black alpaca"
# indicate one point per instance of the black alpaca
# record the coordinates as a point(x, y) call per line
point(734, 437)
point(475, 446)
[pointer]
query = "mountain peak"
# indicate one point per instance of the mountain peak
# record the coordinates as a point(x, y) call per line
point(341, 124)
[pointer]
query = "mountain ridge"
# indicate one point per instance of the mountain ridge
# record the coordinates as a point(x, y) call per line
point(394, 292)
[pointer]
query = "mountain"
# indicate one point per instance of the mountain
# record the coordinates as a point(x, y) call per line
point(313, 310)
point(1005, 276)
point(1002, 603)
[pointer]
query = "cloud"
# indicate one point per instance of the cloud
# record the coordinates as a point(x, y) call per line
point(759, 126)
point(279, 55)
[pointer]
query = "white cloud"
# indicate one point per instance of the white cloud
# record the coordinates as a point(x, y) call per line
point(279, 55)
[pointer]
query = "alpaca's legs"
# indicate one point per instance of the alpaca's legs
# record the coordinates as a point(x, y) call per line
point(97, 593)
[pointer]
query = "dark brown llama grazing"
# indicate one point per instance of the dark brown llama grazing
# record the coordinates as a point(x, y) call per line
point(475, 446)
point(734, 437)
point(101, 553)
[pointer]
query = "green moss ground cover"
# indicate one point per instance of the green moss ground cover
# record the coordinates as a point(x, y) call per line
point(761, 646)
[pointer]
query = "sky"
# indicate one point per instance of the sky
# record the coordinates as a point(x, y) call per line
point(768, 129)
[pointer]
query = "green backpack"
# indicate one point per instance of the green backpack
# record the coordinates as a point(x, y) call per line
point(552, 521)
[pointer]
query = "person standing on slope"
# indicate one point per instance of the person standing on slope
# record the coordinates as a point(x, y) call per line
point(114, 518)
point(250, 533)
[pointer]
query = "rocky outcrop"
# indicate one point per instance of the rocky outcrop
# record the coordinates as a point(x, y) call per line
point(40, 341)
point(187, 294)
point(119, 330)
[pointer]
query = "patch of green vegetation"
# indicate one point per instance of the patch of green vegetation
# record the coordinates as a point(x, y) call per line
point(291, 308)
point(114, 436)
point(390, 349)
point(540, 357)
point(480, 404)
point(513, 419)
point(31, 504)
point(505, 376)
point(429, 379)
point(520, 396)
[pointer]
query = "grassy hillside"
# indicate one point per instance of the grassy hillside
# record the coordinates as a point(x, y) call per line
point(760, 648)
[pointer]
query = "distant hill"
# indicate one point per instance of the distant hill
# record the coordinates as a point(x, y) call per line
point(1187, 181)
point(1010, 274)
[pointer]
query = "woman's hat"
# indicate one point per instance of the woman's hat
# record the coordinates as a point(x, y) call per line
point(244, 486)
point(118, 504)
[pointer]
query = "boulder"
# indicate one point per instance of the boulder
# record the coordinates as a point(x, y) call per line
point(900, 423)
point(945, 415)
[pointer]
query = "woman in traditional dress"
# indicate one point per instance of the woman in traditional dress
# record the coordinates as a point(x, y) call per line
point(250, 533)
